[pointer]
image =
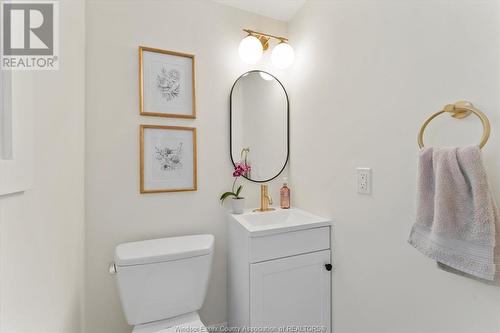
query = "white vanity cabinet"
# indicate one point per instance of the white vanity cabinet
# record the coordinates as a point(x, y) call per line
point(279, 272)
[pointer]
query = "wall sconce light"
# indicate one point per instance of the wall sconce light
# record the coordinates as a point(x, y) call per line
point(250, 49)
point(255, 43)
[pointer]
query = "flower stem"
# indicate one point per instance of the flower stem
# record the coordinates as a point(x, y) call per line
point(234, 183)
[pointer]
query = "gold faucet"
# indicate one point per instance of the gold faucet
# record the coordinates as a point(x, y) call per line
point(265, 200)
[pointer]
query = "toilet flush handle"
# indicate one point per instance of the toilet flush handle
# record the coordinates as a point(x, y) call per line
point(112, 268)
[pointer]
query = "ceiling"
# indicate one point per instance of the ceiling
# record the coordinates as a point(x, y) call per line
point(283, 10)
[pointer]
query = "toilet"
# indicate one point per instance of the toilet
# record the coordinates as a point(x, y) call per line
point(163, 282)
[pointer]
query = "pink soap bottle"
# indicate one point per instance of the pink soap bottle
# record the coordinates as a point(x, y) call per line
point(285, 195)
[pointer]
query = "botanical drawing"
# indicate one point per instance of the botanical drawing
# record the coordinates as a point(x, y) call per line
point(168, 83)
point(170, 158)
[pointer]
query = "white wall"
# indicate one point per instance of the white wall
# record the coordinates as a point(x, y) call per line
point(41, 231)
point(115, 211)
point(367, 73)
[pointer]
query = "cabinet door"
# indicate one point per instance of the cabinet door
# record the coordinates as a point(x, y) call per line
point(293, 291)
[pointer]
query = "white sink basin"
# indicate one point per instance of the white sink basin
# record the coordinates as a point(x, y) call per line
point(280, 220)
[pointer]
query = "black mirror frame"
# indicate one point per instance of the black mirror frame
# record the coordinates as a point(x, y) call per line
point(287, 125)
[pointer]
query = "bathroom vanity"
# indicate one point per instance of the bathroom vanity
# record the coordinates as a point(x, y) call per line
point(279, 270)
point(279, 262)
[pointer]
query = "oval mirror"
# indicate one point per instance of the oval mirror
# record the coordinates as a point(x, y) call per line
point(259, 125)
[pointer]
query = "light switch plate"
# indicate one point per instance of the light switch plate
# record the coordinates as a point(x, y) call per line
point(364, 176)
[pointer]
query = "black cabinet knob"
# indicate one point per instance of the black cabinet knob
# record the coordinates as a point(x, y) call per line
point(328, 267)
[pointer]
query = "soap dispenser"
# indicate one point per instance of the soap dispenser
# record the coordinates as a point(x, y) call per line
point(285, 195)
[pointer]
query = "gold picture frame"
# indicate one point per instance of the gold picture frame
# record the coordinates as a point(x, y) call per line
point(149, 110)
point(165, 160)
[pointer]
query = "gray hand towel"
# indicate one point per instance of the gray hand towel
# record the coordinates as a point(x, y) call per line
point(456, 214)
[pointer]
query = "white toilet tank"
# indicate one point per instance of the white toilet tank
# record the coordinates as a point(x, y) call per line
point(163, 278)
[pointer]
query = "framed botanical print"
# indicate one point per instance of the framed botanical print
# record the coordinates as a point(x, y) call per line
point(167, 159)
point(166, 83)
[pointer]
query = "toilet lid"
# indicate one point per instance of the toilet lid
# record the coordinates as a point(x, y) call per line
point(163, 249)
point(191, 327)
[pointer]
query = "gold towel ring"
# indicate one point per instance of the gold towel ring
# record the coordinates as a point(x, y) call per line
point(459, 110)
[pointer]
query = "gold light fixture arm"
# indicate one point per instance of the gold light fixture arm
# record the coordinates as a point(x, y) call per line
point(459, 110)
point(264, 38)
point(256, 33)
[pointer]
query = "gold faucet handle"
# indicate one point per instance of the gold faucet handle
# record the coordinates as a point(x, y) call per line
point(270, 199)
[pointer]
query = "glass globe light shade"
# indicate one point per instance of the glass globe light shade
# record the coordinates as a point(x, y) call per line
point(266, 76)
point(282, 55)
point(250, 49)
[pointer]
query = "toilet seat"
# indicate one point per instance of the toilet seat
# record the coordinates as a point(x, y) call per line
point(188, 323)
